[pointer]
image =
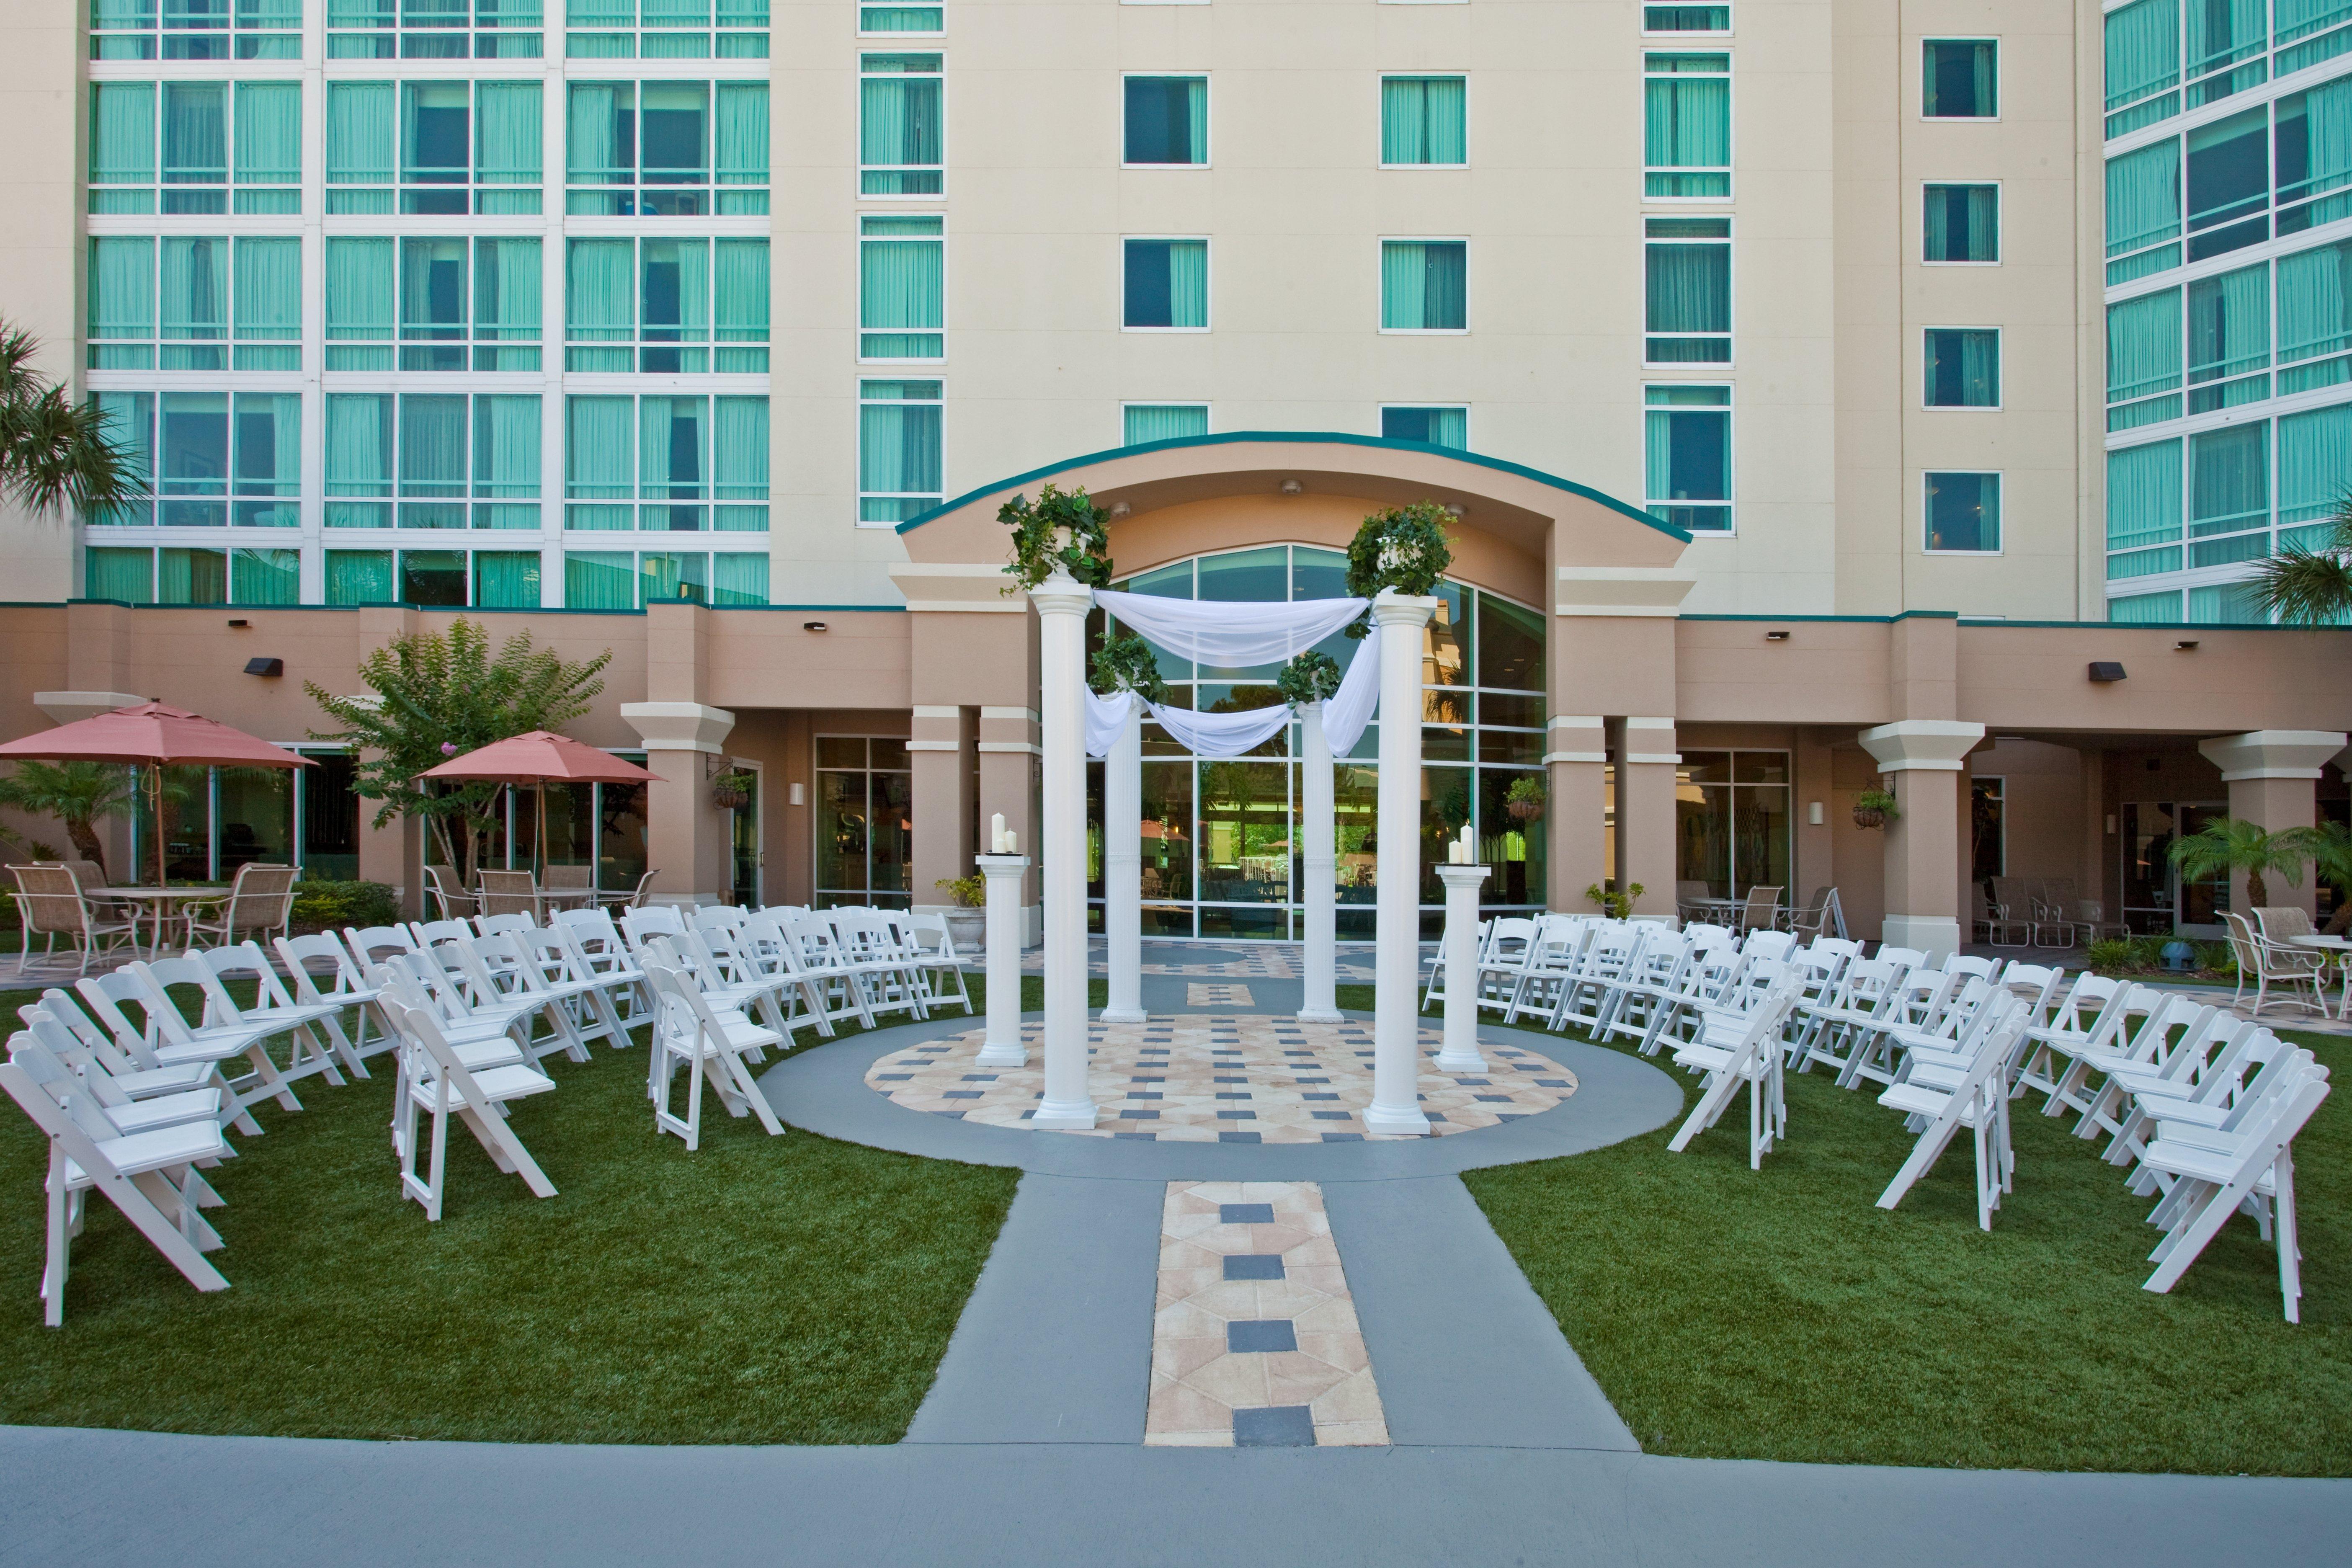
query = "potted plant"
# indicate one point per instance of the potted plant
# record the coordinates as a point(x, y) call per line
point(731, 791)
point(1126, 663)
point(1617, 906)
point(967, 914)
point(1310, 677)
point(1874, 808)
point(1525, 800)
point(1063, 528)
point(1404, 548)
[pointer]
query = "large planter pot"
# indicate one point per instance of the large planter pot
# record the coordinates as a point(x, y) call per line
point(1869, 816)
point(968, 929)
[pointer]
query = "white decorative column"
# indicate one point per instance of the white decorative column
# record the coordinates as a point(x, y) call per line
point(1061, 603)
point(1460, 1053)
point(1003, 1048)
point(1319, 864)
point(1123, 869)
point(1396, 1057)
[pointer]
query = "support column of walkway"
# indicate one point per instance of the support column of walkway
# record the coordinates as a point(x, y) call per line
point(1921, 761)
point(2272, 774)
point(940, 755)
point(688, 839)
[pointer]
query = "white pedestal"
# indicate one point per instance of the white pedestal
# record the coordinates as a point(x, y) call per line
point(1320, 866)
point(1061, 604)
point(1123, 870)
point(1002, 1047)
point(1460, 952)
point(1396, 1056)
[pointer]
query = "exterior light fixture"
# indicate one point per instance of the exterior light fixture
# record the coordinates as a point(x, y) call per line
point(1776, 637)
point(1120, 508)
point(2186, 645)
point(240, 623)
point(1813, 812)
point(812, 626)
point(2105, 671)
point(1292, 488)
point(272, 667)
point(796, 797)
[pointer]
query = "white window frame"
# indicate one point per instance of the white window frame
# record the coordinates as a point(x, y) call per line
point(857, 454)
point(2000, 387)
point(938, 5)
point(1721, 33)
point(1207, 408)
point(1730, 502)
point(1731, 116)
point(1919, 101)
point(1926, 523)
point(858, 170)
point(940, 238)
point(1380, 256)
point(1380, 106)
point(1208, 93)
point(1209, 279)
point(2000, 221)
point(1383, 410)
point(1704, 367)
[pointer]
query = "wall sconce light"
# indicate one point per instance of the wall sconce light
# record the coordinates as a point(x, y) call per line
point(1813, 812)
point(1120, 508)
point(812, 626)
point(272, 667)
point(240, 623)
point(797, 799)
point(1454, 511)
point(1776, 637)
point(2111, 823)
point(2106, 671)
point(2186, 645)
point(1292, 488)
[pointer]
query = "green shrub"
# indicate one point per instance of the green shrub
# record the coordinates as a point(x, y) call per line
point(318, 905)
point(2111, 954)
point(2218, 957)
point(2147, 951)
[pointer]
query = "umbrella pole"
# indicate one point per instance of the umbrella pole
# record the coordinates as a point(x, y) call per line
point(158, 771)
point(541, 871)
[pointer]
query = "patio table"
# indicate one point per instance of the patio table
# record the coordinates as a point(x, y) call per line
point(165, 905)
point(2341, 950)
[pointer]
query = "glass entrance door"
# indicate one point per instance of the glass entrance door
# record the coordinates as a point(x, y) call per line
point(2155, 901)
point(2200, 905)
point(745, 844)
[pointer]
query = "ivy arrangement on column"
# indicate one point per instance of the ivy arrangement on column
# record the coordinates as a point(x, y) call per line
point(1404, 548)
point(1063, 528)
point(1126, 663)
point(1311, 677)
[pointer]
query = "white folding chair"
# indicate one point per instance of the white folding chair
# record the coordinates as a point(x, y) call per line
point(128, 1112)
point(165, 1038)
point(1976, 1098)
point(709, 1044)
point(2215, 1174)
point(940, 963)
point(344, 990)
point(273, 1008)
point(597, 944)
point(439, 1084)
point(1734, 1049)
point(58, 1011)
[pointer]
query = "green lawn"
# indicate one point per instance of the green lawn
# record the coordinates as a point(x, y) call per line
point(791, 1290)
point(1781, 1315)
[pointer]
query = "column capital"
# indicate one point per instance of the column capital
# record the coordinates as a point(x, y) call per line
point(1463, 876)
point(68, 707)
point(1391, 609)
point(1001, 864)
point(1061, 595)
point(1930, 745)
point(680, 726)
point(2272, 753)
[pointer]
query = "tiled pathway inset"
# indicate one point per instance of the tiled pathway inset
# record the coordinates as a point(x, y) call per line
point(1210, 1077)
point(1208, 993)
point(1253, 1339)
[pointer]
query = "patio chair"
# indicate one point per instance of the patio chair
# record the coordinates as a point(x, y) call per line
point(260, 903)
point(509, 893)
point(633, 899)
point(1762, 912)
point(942, 962)
point(452, 906)
point(1690, 896)
point(50, 904)
point(1820, 917)
point(2273, 965)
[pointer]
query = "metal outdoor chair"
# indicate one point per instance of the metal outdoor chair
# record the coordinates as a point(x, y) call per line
point(260, 903)
point(1762, 909)
point(633, 899)
point(510, 893)
point(50, 904)
point(454, 906)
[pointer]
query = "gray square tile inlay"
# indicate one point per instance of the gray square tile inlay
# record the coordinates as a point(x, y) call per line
point(1253, 1266)
point(1269, 1334)
point(1244, 1214)
point(1274, 1427)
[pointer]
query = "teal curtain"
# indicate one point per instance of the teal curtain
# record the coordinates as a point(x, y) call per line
point(1165, 421)
point(358, 447)
point(121, 287)
point(2229, 479)
point(195, 288)
point(2226, 604)
point(192, 576)
point(127, 577)
point(1439, 426)
point(2230, 323)
point(599, 580)
point(743, 116)
point(898, 136)
point(1689, 288)
point(674, 448)
point(1422, 285)
point(738, 448)
point(676, 283)
point(901, 286)
point(505, 452)
point(2222, 31)
point(269, 456)
point(432, 291)
point(1658, 456)
point(270, 290)
point(739, 577)
point(358, 134)
point(196, 133)
point(359, 290)
point(2327, 119)
point(1423, 119)
point(268, 134)
point(2315, 462)
point(2293, 19)
point(507, 126)
point(507, 276)
point(898, 442)
point(600, 446)
point(2146, 609)
point(742, 291)
point(433, 449)
point(122, 133)
point(131, 425)
point(505, 579)
point(1963, 222)
point(2143, 47)
point(600, 298)
point(2315, 302)
point(594, 152)
point(1687, 123)
point(2143, 197)
point(2144, 345)
point(265, 577)
point(359, 577)
point(672, 576)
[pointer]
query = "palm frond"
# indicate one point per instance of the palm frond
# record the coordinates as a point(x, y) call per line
point(55, 455)
point(2307, 587)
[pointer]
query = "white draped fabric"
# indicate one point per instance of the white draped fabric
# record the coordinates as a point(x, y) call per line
point(1227, 635)
point(1346, 714)
point(1236, 734)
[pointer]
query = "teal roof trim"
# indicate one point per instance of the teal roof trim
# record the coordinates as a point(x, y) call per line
point(1310, 438)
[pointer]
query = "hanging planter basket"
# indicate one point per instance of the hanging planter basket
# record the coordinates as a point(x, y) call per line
point(731, 791)
point(1526, 810)
point(1874, 808)
point(1869, 816)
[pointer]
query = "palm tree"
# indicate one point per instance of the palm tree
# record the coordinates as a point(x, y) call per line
point(54, 454)
point(2302, 586)
point(2329, 847)
point(2226, 846)
point(76, 794)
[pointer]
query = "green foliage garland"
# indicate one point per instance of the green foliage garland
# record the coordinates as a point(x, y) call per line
point(1126, 663)
point(1311, 677)
point(1036, 545)
point(1404, 548)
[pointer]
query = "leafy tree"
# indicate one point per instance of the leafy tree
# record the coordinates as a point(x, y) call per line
point(54, 454)
point(78, 795)
point(439, 695)
point(2227, 845)
point(2312, 588)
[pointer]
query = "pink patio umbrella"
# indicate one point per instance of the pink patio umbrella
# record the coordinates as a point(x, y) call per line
point(538, 758)
point(157, 735)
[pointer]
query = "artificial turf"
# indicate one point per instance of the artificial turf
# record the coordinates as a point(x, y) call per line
point(790, 1289)
point(1779, 1314)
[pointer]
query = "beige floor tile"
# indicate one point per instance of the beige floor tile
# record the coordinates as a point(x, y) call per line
point(1351, 1434)
point(1237, 1380)
point(1352, 1399)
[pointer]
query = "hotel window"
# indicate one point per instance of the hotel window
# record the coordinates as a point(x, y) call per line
point(865, 821)
point(447, 315)
point(484, 579)
point(658, 294)
point(2144, 511)
point(1444, 426)
point(622, 579)
point(452, 466)
point(1733, 826)
point(209, 136)
point(897, 450)
point(664, 36)
point(696, 463)
point(1163, 421)
point(900, 151)
point(218, 459)
point(2146, 609)
point(182, 303)
point(1686, 460)
point(1686, 126)
point(2225, 44)
point(901, 286)
point(1963, 366)
point(2228, 495)
point(1166, 285)
point(2314, 318)
point(434, 29)
point(1424, 121)
point(1961, 78)
point(454, 146)
point(1686, 18)
point(1961, 223)
point(875, 20)
point(1688, 284)
point(1167, 120)
point(1964, 513)
point(650, 149)
point(2229, 338)
point(1424, 286)
point(195, 29)
point(191, 575)
point(2144, 360)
